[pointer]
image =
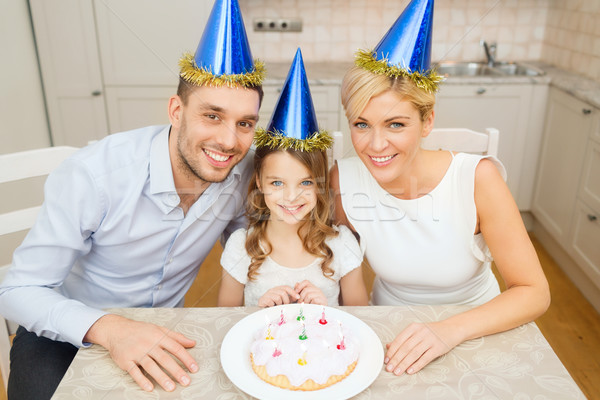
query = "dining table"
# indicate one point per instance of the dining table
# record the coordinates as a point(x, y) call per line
point(515, 364)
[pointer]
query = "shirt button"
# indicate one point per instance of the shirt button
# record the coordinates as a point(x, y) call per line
point(159, 287)
point(170, 260)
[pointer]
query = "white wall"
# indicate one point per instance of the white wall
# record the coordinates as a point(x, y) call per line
point(22, 116)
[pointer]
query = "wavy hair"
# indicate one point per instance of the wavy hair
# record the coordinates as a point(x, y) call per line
point(313, 231)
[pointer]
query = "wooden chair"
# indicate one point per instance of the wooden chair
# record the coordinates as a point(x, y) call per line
point(22, 176)
point(454, 139)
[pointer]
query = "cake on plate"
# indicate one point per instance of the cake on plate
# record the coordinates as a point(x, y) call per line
point(303, 352)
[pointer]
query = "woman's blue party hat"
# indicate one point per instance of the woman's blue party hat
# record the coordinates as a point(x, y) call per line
point(405, 50)
point(294, 122)
point(223, 55)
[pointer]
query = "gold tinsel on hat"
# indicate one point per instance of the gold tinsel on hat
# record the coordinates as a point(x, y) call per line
point(200, 76)
point(276, 140)
point(429, 80)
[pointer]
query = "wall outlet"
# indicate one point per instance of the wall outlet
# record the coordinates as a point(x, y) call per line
point(277, 24)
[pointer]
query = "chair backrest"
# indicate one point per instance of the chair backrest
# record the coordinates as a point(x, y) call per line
point(337, 150)
point(22, 177)
point(463, 140)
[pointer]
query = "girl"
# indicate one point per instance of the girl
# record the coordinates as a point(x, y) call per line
point(291, 252)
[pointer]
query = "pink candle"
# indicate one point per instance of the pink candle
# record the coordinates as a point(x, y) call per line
point(281, 319)
point(323, 321)
point(342, 345)
point(277, 352)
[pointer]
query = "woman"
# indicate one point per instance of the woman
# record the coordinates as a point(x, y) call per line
point(430, 221)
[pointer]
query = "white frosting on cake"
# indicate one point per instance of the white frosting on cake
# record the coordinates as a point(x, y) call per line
point(319, 349)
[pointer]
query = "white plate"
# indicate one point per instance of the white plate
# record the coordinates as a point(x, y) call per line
point(235, 355)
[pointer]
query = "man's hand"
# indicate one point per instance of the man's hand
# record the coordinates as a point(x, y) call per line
point(310, 294)
point(137, 346)
point(277, 296)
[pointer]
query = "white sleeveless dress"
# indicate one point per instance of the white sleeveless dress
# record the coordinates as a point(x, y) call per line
point(422, 250)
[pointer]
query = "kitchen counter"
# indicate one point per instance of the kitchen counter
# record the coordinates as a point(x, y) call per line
point(332, 73)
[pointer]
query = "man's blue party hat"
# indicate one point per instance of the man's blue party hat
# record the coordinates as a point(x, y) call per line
point(294, 122)
point(405, 50)
point(223, 55)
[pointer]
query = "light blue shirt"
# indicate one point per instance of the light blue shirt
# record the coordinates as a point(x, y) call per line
point(110, 234)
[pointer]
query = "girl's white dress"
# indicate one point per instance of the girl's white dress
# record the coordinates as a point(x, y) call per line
point(347, 256)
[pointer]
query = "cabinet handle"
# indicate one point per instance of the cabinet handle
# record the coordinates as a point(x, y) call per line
point(481, 90)
point(592, 217)
point(96, 93)
point(586, 111)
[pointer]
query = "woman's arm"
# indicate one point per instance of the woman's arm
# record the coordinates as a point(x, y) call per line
point(231, 292)
point(353, 290)
point(527, 295)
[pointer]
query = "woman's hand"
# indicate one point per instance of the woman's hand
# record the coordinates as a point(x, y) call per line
point(310, 294)
point(418, 345)
point(277, 296)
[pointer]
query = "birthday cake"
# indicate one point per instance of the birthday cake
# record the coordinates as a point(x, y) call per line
point(303, 352)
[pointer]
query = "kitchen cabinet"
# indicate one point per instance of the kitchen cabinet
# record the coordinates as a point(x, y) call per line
point(567, 194)
point(516, 110)
point(568, 127)
point(70, 67)
point(108, 66)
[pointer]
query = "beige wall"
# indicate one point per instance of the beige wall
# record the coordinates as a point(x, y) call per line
point(334, 29)
point(562, 32)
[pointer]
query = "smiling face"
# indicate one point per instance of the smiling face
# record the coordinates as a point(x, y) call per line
point(387, 135)
point(211, 132)
point(289, 189)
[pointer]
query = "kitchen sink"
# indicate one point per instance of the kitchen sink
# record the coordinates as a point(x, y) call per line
point(465, 68)
point(511, 68)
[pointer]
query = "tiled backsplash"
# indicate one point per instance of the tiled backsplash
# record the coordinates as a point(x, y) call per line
point(560, 32)
point(572, 39)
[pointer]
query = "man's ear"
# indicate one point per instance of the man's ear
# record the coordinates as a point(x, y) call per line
point(175, 109)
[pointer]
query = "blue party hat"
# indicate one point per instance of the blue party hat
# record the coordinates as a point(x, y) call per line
point(405, 50)
point(294, 122)
point(223, 55)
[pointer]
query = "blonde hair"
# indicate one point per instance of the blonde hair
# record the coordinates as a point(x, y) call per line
point(313, 231)
point(360, 85)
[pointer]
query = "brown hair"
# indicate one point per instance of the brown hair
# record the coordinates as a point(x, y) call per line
point(313, 231)
point(185, 89)
point(360, 85)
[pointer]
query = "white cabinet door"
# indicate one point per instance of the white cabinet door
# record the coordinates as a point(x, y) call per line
point(505, 107)
point(136, 107)
point(566, 133)
point(584, 246)
point(66, 42)
point(589, 189)
point(141, 41)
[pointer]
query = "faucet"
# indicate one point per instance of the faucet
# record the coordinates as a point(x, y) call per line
point(490, 52)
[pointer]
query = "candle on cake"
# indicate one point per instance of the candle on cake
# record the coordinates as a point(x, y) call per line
point(323, 321)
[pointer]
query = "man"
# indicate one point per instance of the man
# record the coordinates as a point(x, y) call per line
point(127, 221)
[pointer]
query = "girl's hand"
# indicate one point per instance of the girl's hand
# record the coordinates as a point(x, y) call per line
point(277, 296)
point(416, 346)
point(310, 294)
